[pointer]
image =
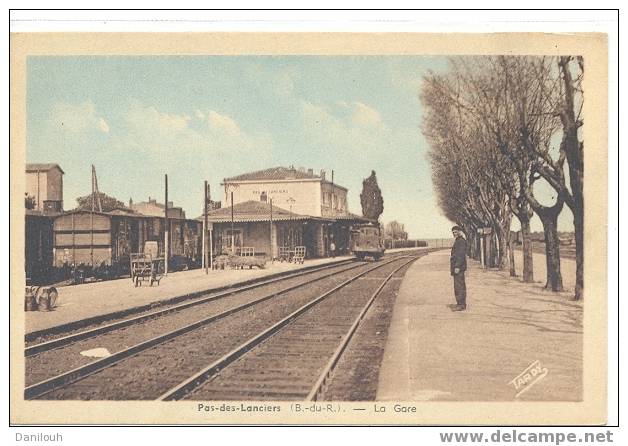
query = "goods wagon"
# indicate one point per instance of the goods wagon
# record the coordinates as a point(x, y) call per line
point(104, 241)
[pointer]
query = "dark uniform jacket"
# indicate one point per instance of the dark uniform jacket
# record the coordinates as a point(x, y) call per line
point(458, 255)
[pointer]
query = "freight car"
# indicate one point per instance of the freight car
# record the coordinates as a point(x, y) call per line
point(100, 243)
point(366, 241)
point(38, 240)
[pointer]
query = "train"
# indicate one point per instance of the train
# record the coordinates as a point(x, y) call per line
point(366, 240)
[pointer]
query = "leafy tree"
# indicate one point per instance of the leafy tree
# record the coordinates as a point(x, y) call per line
point(29, 201)
point(395, 230)
point(108, 203)
point(371, 198)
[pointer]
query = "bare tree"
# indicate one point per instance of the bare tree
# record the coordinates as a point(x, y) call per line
point(462, 155)
point(512, 102)
point(570, 114)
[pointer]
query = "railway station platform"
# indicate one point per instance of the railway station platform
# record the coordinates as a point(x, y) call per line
point(89, 300)
point(433, 353)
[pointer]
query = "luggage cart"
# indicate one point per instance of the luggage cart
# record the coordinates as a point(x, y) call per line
point(145, 268)
point(299, 254)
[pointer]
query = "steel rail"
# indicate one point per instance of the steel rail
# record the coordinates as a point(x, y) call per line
point(326, 373)
point(179, 391)
point(69, 339)
point(43, 387)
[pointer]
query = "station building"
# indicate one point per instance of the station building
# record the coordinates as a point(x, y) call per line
point(282, 207)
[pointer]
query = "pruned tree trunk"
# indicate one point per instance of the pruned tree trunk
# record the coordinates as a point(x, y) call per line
point(503, 241)
point(573, 147)
point(511, 255)
point(494, 250)
point(552, 250)
point(526, 246)
point(471, 245)
point(579, 230)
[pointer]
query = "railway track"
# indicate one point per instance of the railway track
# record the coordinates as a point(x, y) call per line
point(160, 367)
point(54, 337)
point(45, 360)
point(299, 353)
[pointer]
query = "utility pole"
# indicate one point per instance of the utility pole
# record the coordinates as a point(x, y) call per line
point(232, 233)
point(272, 257)
point(333, 193)
point(95, 197)
point(91, 222)
point(333, 211)
point(291, 230)
point(211, 233)
point(205, 226)
point(166, 232)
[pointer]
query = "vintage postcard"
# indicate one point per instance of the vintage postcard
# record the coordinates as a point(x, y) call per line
point(308, 228)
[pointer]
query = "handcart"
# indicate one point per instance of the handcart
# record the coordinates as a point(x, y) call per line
point(299, 254)
point(146, 268)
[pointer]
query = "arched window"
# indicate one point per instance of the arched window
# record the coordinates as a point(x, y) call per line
point(263, 197)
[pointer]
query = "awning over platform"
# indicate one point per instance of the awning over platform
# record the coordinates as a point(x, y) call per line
point(257, 211)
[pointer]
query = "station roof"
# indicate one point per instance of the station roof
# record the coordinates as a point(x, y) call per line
point(249, 211)
point(42, 167)
point(252, 211)
point(274, 174)
point(36, 213)
point(280, 174)
point(118, 212)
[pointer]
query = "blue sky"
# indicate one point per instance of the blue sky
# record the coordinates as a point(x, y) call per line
point(197, 118)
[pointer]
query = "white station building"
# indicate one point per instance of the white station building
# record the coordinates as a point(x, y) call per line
point(307, 209)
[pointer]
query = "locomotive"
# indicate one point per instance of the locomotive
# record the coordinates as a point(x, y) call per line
point(366, 241)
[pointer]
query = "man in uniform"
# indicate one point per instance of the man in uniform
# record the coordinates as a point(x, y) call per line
point(458, 265)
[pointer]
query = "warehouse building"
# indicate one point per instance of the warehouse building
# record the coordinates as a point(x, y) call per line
point(44, 187)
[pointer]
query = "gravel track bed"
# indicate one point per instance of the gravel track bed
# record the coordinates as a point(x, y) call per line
point(287, 281)
point(149, 374)
point(51, 363)
point(356, 375)
point(286, 366)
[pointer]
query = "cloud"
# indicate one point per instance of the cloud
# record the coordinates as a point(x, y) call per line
point(159, 132)
point(284, 83)
point(347, 122)
point(366, 116)
point(148, 119)
point(102, 124)
point(222, 123)
point(77, 118)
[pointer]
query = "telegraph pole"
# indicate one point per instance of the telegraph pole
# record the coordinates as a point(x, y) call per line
point(205, 226)
point(272, 257)
point(166, 239)
point(211, 233)
point(232, 234)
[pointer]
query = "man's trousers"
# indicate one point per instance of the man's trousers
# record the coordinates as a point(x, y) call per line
point(460, 289)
